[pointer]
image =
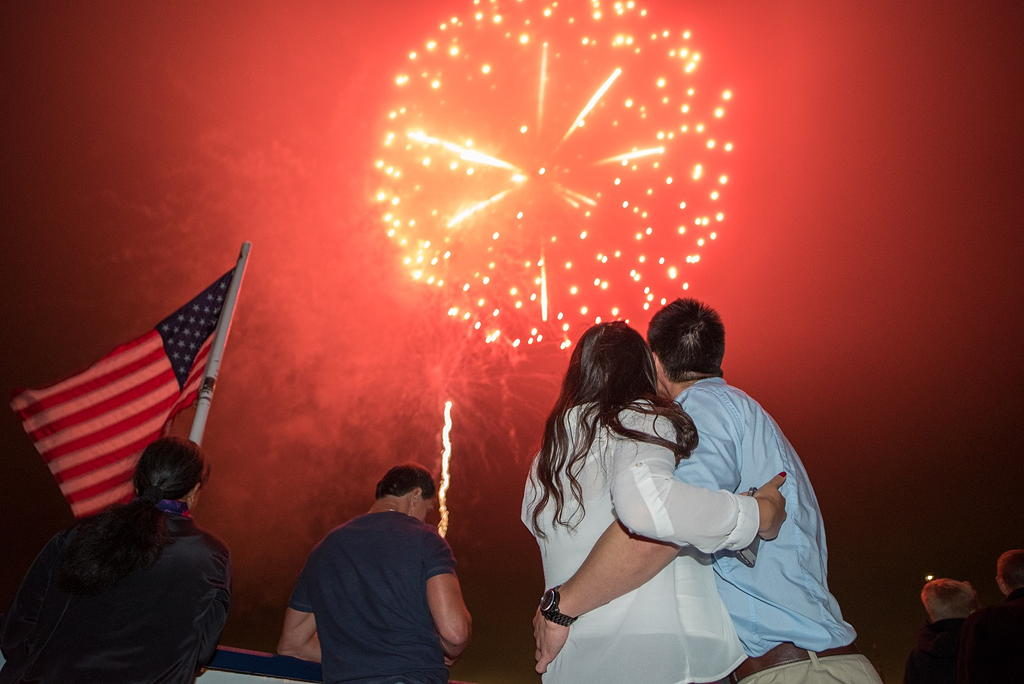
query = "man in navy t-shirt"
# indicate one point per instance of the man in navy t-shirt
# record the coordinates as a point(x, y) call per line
point(378, 601)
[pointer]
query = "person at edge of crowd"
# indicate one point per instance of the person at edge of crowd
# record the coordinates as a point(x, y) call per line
point(992, 639)
point(933, 660)
point(378, 600)
point(138, 593)
point(609, 448)
point(788, 622)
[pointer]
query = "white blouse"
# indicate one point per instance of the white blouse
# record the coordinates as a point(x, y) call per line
point(674, 628)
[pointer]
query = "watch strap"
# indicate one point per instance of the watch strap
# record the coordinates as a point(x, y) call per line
point(551, 613)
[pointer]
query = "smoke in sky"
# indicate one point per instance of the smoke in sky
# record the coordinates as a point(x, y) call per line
point(869, 280)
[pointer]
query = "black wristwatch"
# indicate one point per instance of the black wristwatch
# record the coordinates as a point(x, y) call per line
point(549, 608)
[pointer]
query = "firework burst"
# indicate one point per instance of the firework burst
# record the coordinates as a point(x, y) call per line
point(552, 165)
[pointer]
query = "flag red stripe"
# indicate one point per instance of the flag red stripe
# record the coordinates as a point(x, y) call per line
point(185, 402)
point(110, 430)
point(99, 487)
point(119, 440)
point(38, 400)
point(74, 404)
point(105, 459)
point(103, 500)
point(55, 401)
point(48, 444)
point(125, 465)
point(99, 408)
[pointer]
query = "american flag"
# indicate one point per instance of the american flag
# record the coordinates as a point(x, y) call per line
point(91, 427)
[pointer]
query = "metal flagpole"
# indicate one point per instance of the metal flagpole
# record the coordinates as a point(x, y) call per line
point(220, 340)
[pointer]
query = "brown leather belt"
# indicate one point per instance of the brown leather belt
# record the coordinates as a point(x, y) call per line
point(784, 654)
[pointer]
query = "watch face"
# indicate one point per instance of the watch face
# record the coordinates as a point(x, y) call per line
point(548, 600)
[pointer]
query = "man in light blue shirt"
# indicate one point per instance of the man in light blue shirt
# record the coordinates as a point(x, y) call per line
point(789, 624)
point(769, 603)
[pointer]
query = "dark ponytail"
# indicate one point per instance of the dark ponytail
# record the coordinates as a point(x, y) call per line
point(107, 547)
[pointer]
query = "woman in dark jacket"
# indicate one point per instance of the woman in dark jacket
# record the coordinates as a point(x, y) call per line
point(135, 594)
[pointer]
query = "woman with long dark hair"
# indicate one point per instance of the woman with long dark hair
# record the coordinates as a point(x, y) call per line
point(608, 453)
point(135, 594)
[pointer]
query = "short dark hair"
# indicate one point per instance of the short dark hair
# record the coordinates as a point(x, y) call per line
point(947, 598)
point(688, 338)
point(1010, 568)
point(404, 478)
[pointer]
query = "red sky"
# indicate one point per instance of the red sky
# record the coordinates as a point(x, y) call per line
point(868, 274)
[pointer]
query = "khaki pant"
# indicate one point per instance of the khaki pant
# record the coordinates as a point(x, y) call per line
point(837, 669)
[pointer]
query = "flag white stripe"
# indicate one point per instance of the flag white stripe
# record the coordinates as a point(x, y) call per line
point(101, 367)
point(78, 430)
point(121, 439)
point(67, 408)
point(99, 475)
point(103, 499)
